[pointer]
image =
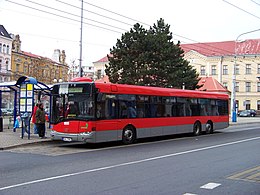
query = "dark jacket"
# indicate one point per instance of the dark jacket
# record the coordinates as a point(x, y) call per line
point(40, 116)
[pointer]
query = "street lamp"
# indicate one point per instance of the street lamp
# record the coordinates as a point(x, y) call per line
point(233, 94)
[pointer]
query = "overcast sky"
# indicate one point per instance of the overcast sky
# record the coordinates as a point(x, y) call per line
point(55, 24)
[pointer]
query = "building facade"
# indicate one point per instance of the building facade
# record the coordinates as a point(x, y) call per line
point(223, 61)
point(44, 69)
point(87, 70)
point(5, 54)
point(227, 60)
point(99, 68)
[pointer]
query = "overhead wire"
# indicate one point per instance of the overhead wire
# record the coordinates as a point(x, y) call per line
point(96, 21)
point(255, 2)
point(64, 17)
point(116, 13)
point(206, 44)
point(74, 15)
point(135, 21)
point(241, 9)
point(95, 13)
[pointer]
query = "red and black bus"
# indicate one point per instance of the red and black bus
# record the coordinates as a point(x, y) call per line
point(94, 112)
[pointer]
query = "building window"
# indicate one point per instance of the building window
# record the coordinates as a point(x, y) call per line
point(0, 47)
point(213, 70)
point(225, 70)
point(258, 104)
point(99, 74)
point(6, 65)
point(258, 86)
point(237, 69)
point(237, 87)
point(17, 67)
point(248, 68)
point(7, 49)
point(247, 104)
point(248, 86)
point(25, 69)
point(202, 70)
point(4, 48)
point(258, 68)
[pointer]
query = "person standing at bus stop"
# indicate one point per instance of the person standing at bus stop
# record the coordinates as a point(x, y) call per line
point(34, 118)
point(40, 120)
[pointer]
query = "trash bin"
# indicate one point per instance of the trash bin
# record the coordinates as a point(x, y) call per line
point(1, 124)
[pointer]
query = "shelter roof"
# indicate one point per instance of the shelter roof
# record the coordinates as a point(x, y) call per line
point(10, 85)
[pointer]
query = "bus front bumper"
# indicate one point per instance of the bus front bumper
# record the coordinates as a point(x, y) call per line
point(73, 137)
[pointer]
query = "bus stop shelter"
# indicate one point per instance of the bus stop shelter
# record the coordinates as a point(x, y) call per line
point(15, 88)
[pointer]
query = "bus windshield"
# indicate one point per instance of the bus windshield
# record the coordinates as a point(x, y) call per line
point(72, 102)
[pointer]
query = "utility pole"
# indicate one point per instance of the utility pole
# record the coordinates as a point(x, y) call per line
point(81, 29)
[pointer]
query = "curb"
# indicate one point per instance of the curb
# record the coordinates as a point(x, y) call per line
point(26, 144)
point(236, 123)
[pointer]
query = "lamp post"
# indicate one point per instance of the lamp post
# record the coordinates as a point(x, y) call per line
point(81, 29)
point(233, 94)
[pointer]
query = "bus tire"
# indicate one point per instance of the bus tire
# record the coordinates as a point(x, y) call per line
point(197, 128)
point(209, 127)
point(129, 135)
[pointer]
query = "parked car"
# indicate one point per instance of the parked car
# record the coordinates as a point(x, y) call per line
point(6, 112)
point(245, 113)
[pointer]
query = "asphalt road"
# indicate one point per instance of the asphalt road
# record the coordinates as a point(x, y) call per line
point(227, 162)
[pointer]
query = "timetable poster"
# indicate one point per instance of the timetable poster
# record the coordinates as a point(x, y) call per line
point(26, 98)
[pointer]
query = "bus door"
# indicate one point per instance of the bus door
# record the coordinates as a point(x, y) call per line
point(107, 123)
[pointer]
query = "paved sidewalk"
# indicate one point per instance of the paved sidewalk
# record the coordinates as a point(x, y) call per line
point(10, 139)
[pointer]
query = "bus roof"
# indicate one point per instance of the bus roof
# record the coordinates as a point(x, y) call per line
point(158, 91)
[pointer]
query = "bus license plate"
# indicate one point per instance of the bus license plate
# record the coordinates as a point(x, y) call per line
point(67, 139)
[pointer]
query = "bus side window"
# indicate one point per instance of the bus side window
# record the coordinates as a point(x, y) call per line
point(140, 113)
point(202, 110)
point(174, 110)
point(122, 109)
point(188, 110)
point(181, 109)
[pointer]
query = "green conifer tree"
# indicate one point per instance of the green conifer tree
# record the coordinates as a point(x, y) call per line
point(149, 57)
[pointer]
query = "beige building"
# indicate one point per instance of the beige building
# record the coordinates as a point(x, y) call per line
point(44, 69)
point(217, 60)
point(221, 59)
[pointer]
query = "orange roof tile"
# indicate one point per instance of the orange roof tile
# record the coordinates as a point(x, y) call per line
point(212, 85)
point(224, 48)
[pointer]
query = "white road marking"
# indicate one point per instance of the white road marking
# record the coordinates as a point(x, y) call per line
point(210, 186)
point(126, 164)
point(189, 194)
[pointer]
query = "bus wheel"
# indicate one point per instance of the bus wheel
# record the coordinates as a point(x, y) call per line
point(129, 135)
point(209, 127)
point(197, 129)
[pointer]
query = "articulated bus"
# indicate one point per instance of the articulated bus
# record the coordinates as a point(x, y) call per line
point(93, 112)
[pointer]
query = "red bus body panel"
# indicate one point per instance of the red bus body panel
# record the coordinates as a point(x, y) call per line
point(111, 130)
